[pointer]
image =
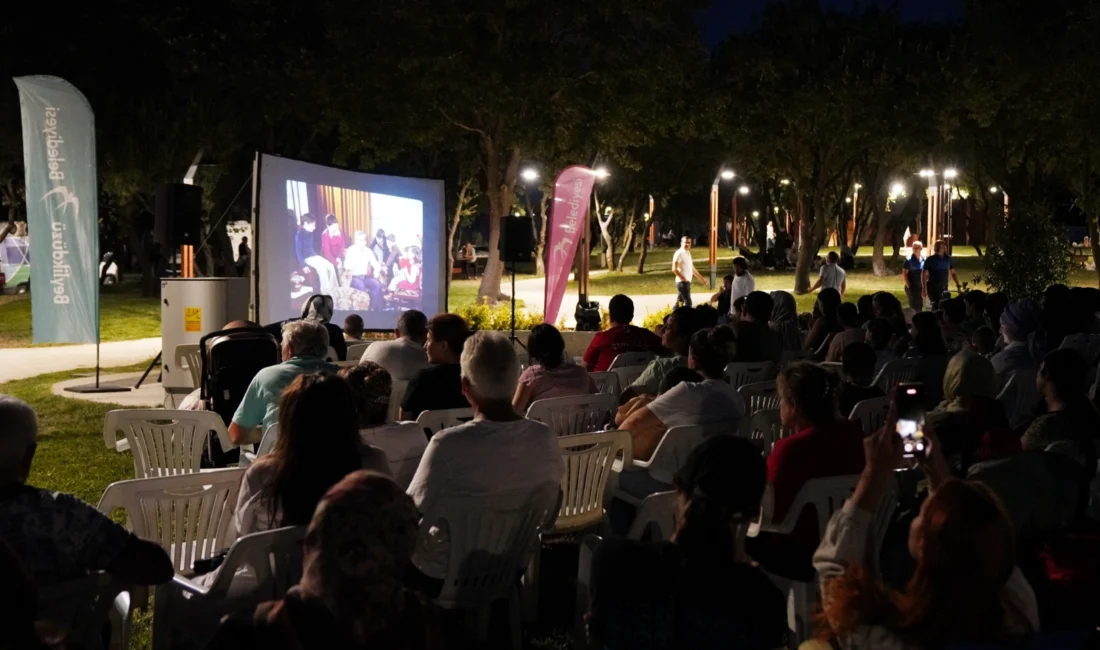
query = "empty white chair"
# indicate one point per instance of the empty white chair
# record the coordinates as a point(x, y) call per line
point(267, 443)
point(656, 515)
point(356, 350)
point(607, 383)
point(258, 568)
point(627, 374)
point(435, 421)
point(626, 359)
point(759, 396)
point(1087, 345)
point(574, 414)
point(748, 372)
point(163, 442)
point(588, 459)
point(187, 356)
point(1019, 397)
point(490, 541)
point(871, 413)
point(764, 427)
point(895, 372)
point(397, 394)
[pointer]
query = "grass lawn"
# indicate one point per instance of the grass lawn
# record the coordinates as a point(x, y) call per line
point(125, 315)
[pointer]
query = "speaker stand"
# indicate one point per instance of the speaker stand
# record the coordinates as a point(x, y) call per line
point(513, 338)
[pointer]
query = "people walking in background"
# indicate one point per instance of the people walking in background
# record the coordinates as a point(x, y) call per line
point(244, 257)
point(743, 283)
point(831, 276)
point(685, 270)
point(937, 268)
point(912, 274)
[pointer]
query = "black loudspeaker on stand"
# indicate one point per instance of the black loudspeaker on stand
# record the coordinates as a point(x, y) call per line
point(178, 217)
point(517, 244)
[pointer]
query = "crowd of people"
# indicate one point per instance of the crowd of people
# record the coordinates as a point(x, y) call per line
point(960, 563)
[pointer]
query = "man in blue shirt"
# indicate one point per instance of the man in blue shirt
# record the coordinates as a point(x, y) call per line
point(936, 271)
point(912, 273)
point(305, 343)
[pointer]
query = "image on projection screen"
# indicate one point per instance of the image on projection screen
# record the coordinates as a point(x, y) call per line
point(372, 242)
point(362, 248)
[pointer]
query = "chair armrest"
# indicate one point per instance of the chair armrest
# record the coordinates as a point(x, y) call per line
point(185, 584)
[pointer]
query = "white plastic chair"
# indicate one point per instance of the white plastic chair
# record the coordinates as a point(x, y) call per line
point(1087, 345)
point(670, 454)
point(765, 427)
point(187, 354)
point(1019, 397)
point(627, 374)
point(267, 443)
point(397, 394)
point(607, 383)
point(657, 515)
point(759, 396)
point(79, 609)
point(435, 421)
point(163, 442)
point(871, 413)
point(750, 372)
point(258, 568)
point(895, 372)
point(331, 355)
point(627, 359)
point(356, 350)
point(588, 459)
point(568, 416)
point(490, 541)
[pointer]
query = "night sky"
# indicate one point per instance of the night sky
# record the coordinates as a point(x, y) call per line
point(728, 16)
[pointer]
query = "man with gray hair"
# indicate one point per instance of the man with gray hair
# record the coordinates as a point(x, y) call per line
point(305, 343)
point(56, 536)
point(495, 453)
point(404, 356)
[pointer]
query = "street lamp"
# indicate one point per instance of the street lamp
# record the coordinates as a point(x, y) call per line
point(722, 175)
point(897, 190)
point(602, 173)
point(744, 190)
point(950, 173)
point(784, 182)
point(529, 175)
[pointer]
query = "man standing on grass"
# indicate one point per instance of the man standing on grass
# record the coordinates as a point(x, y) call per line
point(743, 284)
point(684, 269)
point(937, 268)
point(831, 275)
point(912, 273)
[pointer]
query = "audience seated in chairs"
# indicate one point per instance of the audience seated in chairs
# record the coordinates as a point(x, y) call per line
point(318, 444)
point(927, 346)
point(438, 386)
point(879, 336)
point(954, 314)
point(371, 385)
point(1019, 322)
point(353, 329)
point(620, 337)
point(318, 309)
point(672, 379)
point(858, 370)
point(974, 302)
point(823, 445)
point(676, 337)
point(825, 320)
point(711, 400)
point(962, 530)
point(784, 322)
point(550, 373)
point(56, 536)
point(193, 401)
point(848, 315)
point(700, 589)
point(755, 340)
point(865, 305)
point(359, 543)
point(706, 315)
point(983, 341)
point(888, 307)
point(19, 606)
point(404, 356)
point(496, 452)
point(305, 343)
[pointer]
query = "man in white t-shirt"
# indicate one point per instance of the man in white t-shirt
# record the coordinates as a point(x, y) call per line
point(496, 453)
point(743, 283)
point(404, 356)
point(684, 269)
point(831, 276)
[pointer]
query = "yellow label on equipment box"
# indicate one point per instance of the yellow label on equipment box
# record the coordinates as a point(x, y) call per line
point(192, 319)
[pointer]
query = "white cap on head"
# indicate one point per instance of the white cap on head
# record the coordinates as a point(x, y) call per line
point(18, 433)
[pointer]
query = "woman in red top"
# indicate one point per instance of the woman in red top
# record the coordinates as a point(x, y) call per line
point(823, 445)
point(620, 337)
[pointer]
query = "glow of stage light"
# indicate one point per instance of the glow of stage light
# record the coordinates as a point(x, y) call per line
point(529, 175)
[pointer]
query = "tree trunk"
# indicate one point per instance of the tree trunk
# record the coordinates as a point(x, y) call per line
point(878, 257)
point(642, 254)
point(608, 242)
point(540, 236)
point(500, 188)
point(628, 239)
point(455, 220)
point(807, 246)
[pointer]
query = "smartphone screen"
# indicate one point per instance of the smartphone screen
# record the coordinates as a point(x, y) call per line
point(910, 427)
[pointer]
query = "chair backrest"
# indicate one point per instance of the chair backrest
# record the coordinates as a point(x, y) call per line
point(567, 416)
point(78, 609)
point(331, 355)
point(607, 383)
point(627, 374)
point(625, 359)
point(825, 495)
point(397, 393)
point(163, 442)
point(759, 396)
point(895, 372)
point(656, 515)
point(275, 558)
point(765, 428)
point(1087, 345)
point(356, 350)
point(588, 458)
point(748, 372)
point(490, 541)
point(230, 360)
point(435, 421)
point(1019, 397)
point(870, 413)
point(189, 515)
point(187, 354)
point(676, 444)
point(823, 350)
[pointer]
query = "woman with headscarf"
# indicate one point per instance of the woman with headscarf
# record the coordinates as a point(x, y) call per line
point(826, 321)
point(351, 595)
point(970, 422)
point(319, 307)
point(784, 321)
point(1019, 324)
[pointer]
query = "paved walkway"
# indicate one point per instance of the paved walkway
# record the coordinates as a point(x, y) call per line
point(21, 363)
point(530, 291)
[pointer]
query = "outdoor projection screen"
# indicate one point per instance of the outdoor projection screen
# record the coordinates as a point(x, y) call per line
point(374, 243)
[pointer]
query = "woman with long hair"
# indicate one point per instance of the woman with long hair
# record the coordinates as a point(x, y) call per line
point(887, 307)
point(550, 373)
point(965, 589)
point(318, 444)
point(927, 345)
point(699, 589)
point(825, 321)
point(784, 321)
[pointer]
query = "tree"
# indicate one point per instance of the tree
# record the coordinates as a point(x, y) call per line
point(465, 210)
